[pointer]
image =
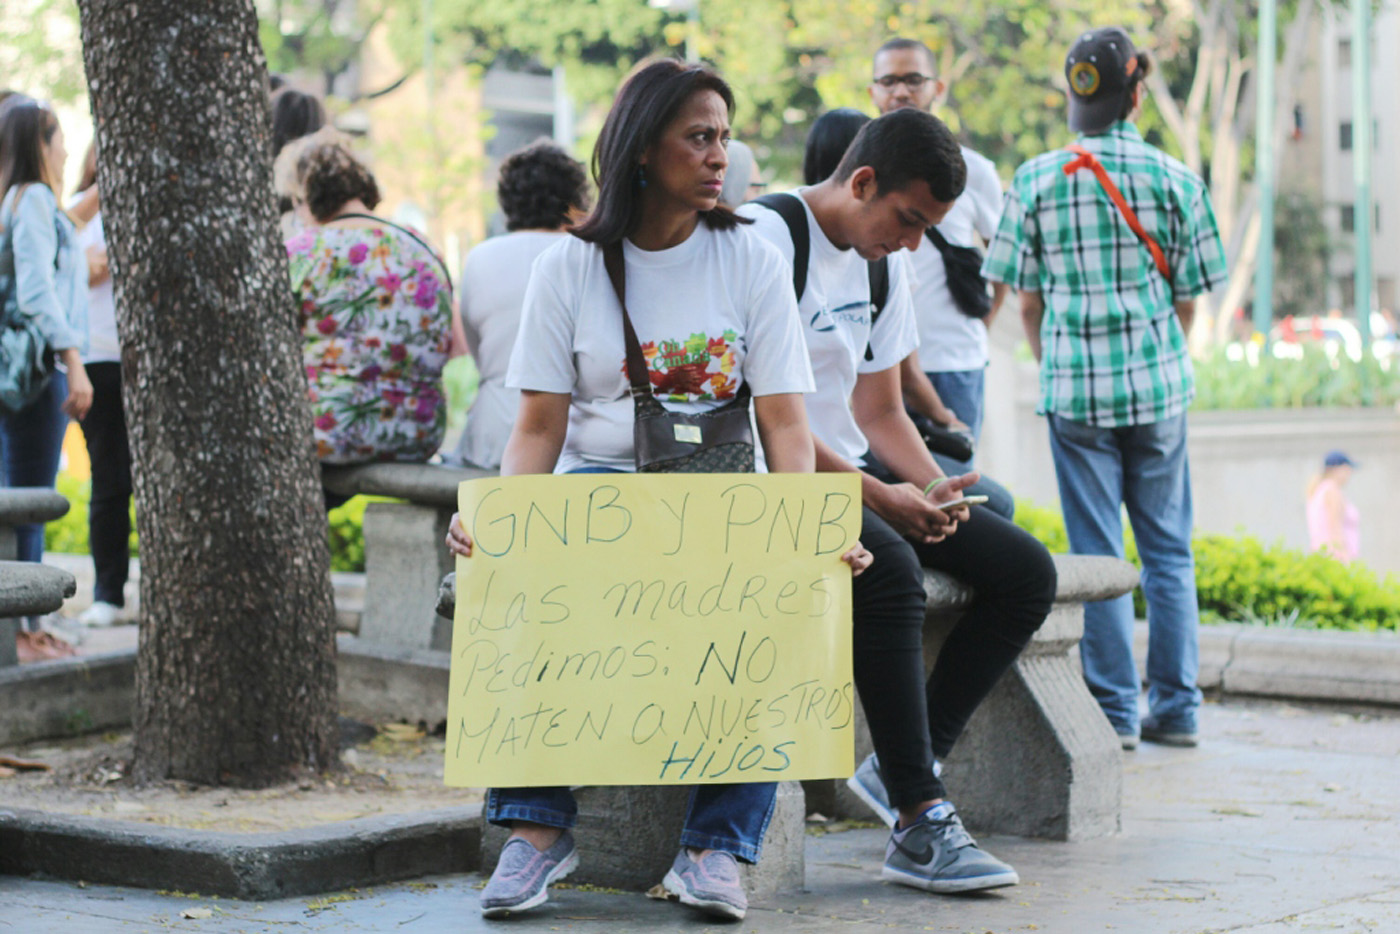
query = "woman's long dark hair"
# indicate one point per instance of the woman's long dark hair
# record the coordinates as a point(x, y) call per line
point(24, 129)
point(828, 141)
point(645, 104)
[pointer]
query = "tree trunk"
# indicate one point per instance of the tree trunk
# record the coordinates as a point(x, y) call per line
point(236, 667)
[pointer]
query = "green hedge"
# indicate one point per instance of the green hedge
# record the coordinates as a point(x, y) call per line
point(1316, 380)
point(1241, 579)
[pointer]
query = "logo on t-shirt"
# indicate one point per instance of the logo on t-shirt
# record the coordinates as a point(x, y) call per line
point(857, 313)
point(697, 369)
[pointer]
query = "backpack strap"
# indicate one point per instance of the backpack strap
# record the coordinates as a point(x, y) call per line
point(879, 271)
point(789, 208)
point(1087, 160)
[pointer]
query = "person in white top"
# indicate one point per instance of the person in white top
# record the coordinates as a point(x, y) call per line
point(944, 381)
point(900, 175)
point(540, 190)
point(104, 429)
point(714, 313)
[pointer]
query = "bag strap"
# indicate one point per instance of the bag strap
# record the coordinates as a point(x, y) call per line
point(879, 272)
point(402, 229)
point(1087, 160)
point(636, 363)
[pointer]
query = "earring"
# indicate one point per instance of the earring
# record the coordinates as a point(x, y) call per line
point(641, 176)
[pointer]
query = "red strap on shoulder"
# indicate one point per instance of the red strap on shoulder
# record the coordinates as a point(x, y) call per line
point(1087, 160)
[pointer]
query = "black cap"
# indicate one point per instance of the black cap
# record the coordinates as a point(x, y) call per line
point(1098, 69)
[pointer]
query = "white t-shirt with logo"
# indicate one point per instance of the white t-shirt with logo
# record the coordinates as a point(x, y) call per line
point(712, 313)
point(835, 314)
point(948, 339)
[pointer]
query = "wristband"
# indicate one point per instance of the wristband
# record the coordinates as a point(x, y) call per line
point(933, 485)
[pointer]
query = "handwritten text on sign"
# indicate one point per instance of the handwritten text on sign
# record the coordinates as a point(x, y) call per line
point(653, 629)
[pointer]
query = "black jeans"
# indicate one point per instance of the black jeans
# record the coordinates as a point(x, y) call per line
point(913, 719)
point(109, 512)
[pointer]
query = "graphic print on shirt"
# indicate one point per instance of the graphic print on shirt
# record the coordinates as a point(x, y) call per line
point(857, 313)
point(696, 369)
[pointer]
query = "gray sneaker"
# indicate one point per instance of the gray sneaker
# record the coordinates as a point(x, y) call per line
point(710, 884)
point(938, 855)
point(870, 788)
point(523, 875)
point(1166, 736)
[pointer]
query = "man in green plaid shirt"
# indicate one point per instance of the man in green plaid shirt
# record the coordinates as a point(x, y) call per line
point(1107, 309)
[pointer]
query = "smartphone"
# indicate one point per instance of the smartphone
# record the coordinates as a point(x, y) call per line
point(973, 500)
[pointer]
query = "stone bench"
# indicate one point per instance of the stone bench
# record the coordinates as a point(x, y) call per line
point(405, 557)
point(1038, 758)
point(27, 589)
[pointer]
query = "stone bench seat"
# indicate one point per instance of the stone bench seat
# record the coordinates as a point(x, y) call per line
point(404, 553)
point(27, 589)
point(1038, 758)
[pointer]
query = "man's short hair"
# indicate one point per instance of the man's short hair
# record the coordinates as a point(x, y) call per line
point(901, 44)
point(905, 146)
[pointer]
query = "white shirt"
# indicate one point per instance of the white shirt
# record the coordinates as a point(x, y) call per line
point(835, 313)
point(711, 313)
point(102, 307)
point(492, 292)
point(948, 339)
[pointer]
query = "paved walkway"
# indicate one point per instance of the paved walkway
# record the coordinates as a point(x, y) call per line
point(1287, 820)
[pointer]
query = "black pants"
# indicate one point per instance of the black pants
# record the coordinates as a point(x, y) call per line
point(913, 719)
point(109, 512)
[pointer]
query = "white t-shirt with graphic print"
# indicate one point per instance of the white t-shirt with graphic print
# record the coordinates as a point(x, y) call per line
point(835, 314)
point(712, 313)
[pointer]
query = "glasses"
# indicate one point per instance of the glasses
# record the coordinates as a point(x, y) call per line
point(913, 81)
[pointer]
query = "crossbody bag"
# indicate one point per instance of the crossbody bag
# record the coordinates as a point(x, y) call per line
point(717, 441)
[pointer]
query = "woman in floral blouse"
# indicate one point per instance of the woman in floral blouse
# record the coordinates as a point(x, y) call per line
point(376, 312)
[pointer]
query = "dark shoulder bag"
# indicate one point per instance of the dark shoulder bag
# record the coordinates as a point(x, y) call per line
point(718, 441)
point(26, 359)
point(963, 266)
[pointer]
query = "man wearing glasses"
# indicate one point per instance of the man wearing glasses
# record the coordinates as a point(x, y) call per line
point(944, 379)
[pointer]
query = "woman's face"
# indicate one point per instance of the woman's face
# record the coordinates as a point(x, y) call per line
point(54, 158)
point(685, 166)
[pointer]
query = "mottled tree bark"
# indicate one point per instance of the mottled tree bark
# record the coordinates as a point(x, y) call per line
point(236, 668)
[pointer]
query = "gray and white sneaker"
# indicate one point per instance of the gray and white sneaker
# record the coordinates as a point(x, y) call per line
point(869, 786)
point(523, 874)
point(937, 854)
point(710, 883)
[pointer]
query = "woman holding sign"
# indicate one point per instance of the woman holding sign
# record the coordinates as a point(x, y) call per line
point(664, 289)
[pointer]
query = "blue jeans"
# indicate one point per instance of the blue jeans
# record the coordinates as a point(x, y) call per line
point(963, 392)
point(1142, 467)
point(732, 818)
point(31, 441)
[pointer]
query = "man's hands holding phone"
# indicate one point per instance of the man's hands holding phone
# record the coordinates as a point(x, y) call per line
point(928, 519)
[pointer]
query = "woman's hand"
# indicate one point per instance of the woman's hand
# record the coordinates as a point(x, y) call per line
point(458, 541)
point(79, 387)
point(858, 558)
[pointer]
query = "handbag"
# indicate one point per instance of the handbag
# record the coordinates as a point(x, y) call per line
point(26, 360)
point(718, 441)
point(963, 266)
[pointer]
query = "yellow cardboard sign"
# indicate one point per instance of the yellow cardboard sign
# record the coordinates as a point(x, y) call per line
point(618, 629)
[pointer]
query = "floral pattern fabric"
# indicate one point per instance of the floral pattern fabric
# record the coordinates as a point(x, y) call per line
point(376, 323)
